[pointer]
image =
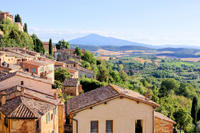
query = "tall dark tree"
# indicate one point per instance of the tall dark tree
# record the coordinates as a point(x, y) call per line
point(38, 46)
point(25, 28)
point(18, 18)
point(50, 47)
point(194, 110)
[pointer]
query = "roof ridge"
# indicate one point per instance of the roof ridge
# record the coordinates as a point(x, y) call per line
point(114, 88)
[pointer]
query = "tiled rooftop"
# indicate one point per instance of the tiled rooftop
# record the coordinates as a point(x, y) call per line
point(26, 104)
point(102, 94)
point(25, 107)
point(24, 74)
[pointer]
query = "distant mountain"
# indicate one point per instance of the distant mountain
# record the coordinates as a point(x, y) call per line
point(98, 40)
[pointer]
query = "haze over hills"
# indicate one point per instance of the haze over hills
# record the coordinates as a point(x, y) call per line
point(109, 46)
point(99, 40)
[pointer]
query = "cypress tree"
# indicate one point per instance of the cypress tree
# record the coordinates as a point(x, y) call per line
point(18, 18)
point(50, 47)
point(194, 110)
point(25, 28)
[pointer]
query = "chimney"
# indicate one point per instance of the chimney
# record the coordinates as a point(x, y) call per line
point(3, 97)
point(22, 90)
point(55, 96)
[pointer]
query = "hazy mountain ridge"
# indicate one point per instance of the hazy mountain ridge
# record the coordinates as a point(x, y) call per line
point(94, 43)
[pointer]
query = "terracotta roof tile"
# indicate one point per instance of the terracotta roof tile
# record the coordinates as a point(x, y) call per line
point(25, 107)
point(163, 117)
point(89, 98)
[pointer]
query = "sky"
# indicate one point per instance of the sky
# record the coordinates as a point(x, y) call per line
point(155, 22)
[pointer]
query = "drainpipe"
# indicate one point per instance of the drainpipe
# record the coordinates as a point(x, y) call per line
point(75, 121)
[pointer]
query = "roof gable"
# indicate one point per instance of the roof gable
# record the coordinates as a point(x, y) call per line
point(101, 95)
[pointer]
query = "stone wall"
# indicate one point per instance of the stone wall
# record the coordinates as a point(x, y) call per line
point(163, 126)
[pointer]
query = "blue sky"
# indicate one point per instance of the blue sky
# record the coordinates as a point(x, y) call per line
point(148, 21)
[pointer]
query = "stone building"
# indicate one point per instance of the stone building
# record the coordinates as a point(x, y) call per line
point(163, 124)
point(66, 54)
point(24, 110)
point(42, 68)
point(6, 15)
point(8, 80)
point(111, 109)
point(71, 87)
point(20, 26)
point(46, 46)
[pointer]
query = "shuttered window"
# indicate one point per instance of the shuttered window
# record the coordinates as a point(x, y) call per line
point(109, 126)
point(94, 127)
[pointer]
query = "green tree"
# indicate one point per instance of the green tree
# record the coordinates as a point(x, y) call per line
point(89, 84)
point(38, 46)
point(61, 74)
point(78, 51)
point(194, 110)
point(89, 57)
point(167, 85)
point(13, 37)
point(103, 74)
point(18, 19)
point(25, 28)
point(183, 120)
point(50, 47)
point(62, 44)
point(186, 89)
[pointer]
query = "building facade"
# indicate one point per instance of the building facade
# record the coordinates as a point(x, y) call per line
point(111, 109)
point(23, 110)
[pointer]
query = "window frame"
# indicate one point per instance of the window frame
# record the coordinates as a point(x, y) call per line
point(97, 126)
point(112, 125)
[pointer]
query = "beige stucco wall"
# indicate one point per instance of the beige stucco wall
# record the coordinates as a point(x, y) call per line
point(23, 126)
point(3, 128)
point(8, 60)
point(124, 112)
point(30, 83)
point(52, 125)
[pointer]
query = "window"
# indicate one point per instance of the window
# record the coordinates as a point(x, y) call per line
point(109, 126)
point(22, 82)
point(27, 70)
point(33, 70)
point(6, 122)
point(37, 124)
point(138, 126)
point(94, 127)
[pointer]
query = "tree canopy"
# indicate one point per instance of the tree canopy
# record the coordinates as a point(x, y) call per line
point(62, 44)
